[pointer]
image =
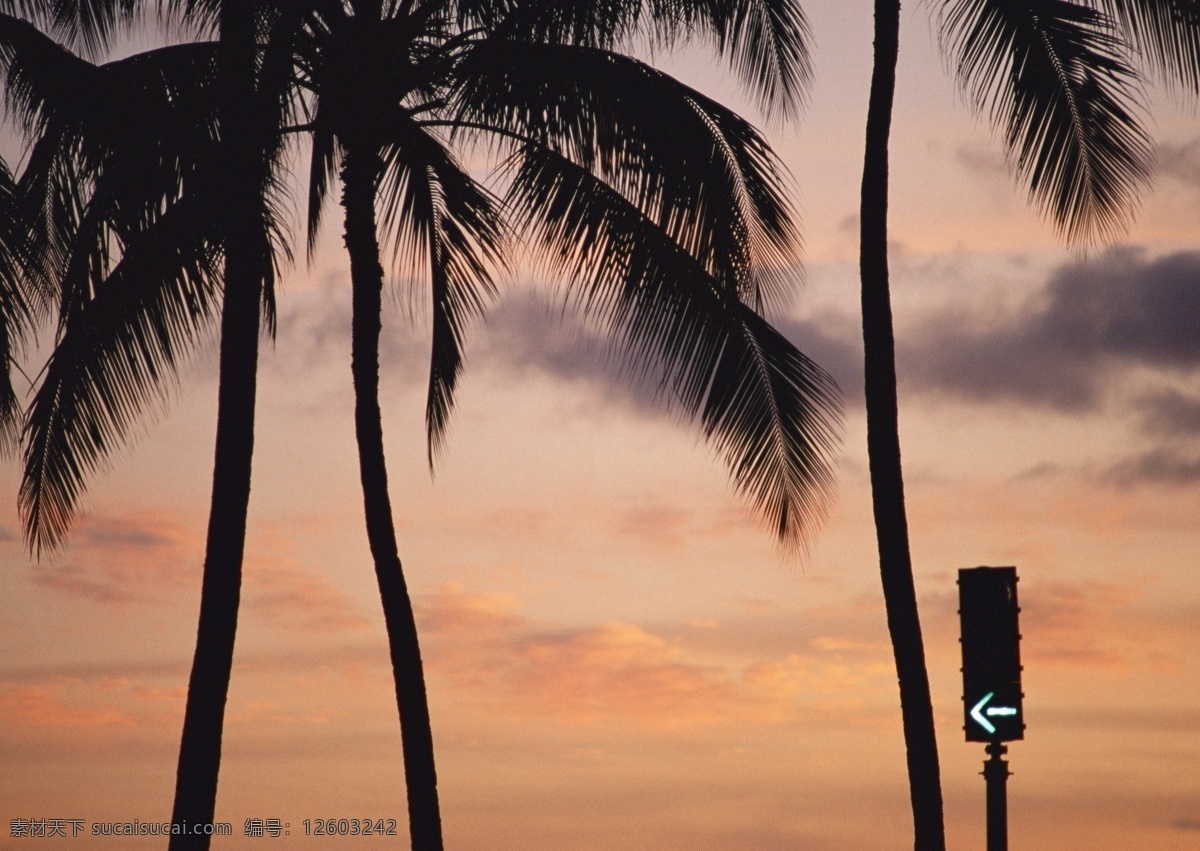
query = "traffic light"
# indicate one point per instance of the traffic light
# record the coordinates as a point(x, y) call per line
point(991, 654)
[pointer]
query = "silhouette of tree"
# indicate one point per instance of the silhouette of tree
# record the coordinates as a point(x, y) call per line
point(251, 95)
point(1056, 79)
point(610, 188)
point(140, 208)
point(674, 226)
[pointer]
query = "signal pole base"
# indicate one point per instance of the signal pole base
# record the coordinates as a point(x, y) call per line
point(996, 773)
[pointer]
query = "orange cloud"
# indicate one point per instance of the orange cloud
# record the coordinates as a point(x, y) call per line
point(657, 525)
point(290, 596)
point(115, 561)
point(47, 706)
point(287, 593)
point(1082, 624)
point(501, 662)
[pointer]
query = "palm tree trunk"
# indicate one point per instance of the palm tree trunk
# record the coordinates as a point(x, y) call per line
point(360, 175)
point(883, 446)
point(208, 687)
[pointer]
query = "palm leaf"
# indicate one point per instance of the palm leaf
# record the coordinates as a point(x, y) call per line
point(18, 275)
point(765, 41)
point(1054, 78)
point(88, 23)
point(112, 357)
point(770, 412)
point(448, 230)
point(1166, 32)
point(706, 175)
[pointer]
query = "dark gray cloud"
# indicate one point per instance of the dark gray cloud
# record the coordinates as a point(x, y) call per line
point(1169, 413)
point(527, 334)
point(314, 332)
point(523, 335)
point(1161, 466)
point(982, 157)
point(1061, 348)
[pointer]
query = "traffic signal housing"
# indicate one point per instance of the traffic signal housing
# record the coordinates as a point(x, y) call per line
point(991, 654)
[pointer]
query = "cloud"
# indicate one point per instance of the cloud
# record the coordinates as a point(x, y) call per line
point(121, 560)
point(105, 702)
point(502, 662)
point(1169, 413)
point(77, 582)
point(45, 707)
point(659, 526)
point(314, 334)
point(285, 592)
point(834, 342)
point(1061, 348)
point(1097, 624)
point(290, 596)
point(982, 157)
point(1164, 466)
point(1181, 162)
point(527, 334)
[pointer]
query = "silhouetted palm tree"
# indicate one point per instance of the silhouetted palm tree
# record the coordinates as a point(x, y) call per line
point(139, 200)
point(1057, 79)
point(671, 216)
point(251, 96)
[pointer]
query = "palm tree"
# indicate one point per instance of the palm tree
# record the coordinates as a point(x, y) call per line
point(1056, 78)
point(250, 111)
point(393, 86)
point(174, 205)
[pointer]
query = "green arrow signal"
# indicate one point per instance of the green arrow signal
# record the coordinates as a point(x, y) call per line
point(992, 711)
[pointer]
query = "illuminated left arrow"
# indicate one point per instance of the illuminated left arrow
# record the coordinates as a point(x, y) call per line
point(992, 711)
point(978, 716)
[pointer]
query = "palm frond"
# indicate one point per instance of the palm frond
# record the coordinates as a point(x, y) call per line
point(112, 357)
point(118, 192)
point(1164, 32)
point(18, 275)
point(88, 24)
point(705, 175)
point(449, 230)
point(765, 41)
point(1055, 80)
point(770, 412)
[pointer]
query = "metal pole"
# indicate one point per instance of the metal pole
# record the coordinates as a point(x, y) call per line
point(995, 772)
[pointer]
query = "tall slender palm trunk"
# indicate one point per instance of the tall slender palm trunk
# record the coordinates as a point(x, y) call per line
point(208, 687)
point(360, 176)
point(883, 446)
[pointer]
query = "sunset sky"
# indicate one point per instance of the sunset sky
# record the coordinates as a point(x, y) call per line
point(618, 656)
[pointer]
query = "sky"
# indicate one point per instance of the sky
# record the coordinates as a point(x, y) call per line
point(618, 656)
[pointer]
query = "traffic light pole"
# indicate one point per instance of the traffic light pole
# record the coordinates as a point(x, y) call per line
point(996, 773)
